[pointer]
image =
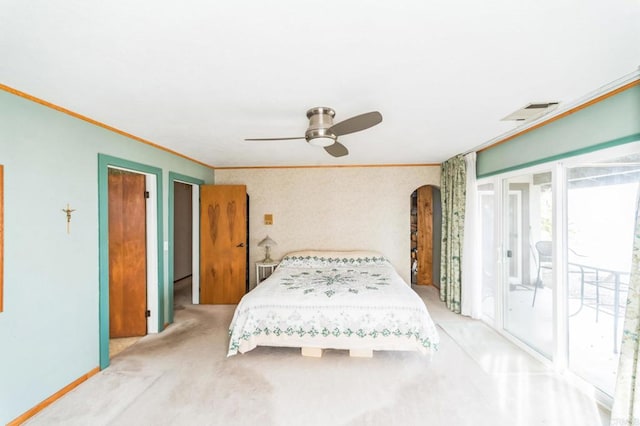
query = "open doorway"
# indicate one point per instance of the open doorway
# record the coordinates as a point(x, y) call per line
point(154, 312)
point(183, 245)
point(127, 259)
point(183, 242)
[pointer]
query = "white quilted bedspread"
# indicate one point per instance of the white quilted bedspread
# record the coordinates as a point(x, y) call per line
point(350, 302)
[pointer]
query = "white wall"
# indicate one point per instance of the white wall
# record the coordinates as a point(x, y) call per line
point(350, 208)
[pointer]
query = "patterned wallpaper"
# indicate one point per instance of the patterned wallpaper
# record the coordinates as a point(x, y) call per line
point(355, 208)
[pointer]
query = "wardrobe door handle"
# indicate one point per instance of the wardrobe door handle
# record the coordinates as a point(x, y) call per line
point(240, 245)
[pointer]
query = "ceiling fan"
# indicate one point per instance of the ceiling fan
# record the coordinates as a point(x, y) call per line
point(322, 132)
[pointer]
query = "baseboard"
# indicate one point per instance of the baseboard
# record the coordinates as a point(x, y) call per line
point(53, 398)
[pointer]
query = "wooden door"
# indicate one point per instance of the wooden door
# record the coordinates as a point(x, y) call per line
point(223, 234)
point(127, 254)
point(425, 236)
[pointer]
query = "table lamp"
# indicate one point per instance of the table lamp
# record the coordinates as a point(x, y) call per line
point(267, 243)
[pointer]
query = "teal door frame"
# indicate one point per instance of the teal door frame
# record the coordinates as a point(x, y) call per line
point(174, 177)
point(104, 162)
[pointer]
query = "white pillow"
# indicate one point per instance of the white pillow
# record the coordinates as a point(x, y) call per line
point(331, 258)
point(333, 254)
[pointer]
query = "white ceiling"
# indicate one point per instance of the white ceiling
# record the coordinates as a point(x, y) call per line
point(199, 76)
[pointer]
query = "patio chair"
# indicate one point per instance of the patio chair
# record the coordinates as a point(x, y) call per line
point(544, 260)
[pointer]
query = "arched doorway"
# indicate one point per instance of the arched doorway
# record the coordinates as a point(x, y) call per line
point(426, 222)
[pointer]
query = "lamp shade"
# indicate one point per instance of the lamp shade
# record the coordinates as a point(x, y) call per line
point(267, 242)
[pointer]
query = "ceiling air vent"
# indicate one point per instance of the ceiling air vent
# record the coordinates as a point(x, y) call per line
point(531, 111)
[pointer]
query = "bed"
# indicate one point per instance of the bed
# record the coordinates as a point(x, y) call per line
point(319, 300)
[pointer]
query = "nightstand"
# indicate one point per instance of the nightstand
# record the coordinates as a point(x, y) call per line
point(264, 269)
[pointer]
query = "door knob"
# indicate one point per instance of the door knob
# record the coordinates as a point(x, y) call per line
point(240, 245)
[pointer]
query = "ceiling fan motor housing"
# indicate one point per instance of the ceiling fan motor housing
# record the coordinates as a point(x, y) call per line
point(320, 121)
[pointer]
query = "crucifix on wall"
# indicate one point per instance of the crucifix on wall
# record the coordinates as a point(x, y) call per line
point(68, 211)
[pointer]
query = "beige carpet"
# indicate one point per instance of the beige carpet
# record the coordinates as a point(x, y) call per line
point(183, 377)
point(120, 344)
point(492, 352)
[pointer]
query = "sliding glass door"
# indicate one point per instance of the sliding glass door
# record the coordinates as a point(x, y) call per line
point(560, 236)
point(601, 199)
point(487, 201)
point(528, 301)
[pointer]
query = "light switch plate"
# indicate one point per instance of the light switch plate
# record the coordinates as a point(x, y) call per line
point(268, 219)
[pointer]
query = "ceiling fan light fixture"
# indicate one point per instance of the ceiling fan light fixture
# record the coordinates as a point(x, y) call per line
point(320, 121)
point(322, 141)
point(318, 135)
point(323, 133)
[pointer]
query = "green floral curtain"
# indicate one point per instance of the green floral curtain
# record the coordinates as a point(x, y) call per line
point(626, 404)
point(453, 174)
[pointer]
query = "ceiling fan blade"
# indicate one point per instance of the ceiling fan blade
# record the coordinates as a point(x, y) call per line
point(357, 123)
point(337, 150)
point(274, 139)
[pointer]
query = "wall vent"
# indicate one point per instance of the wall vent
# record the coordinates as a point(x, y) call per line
point(531, 111)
